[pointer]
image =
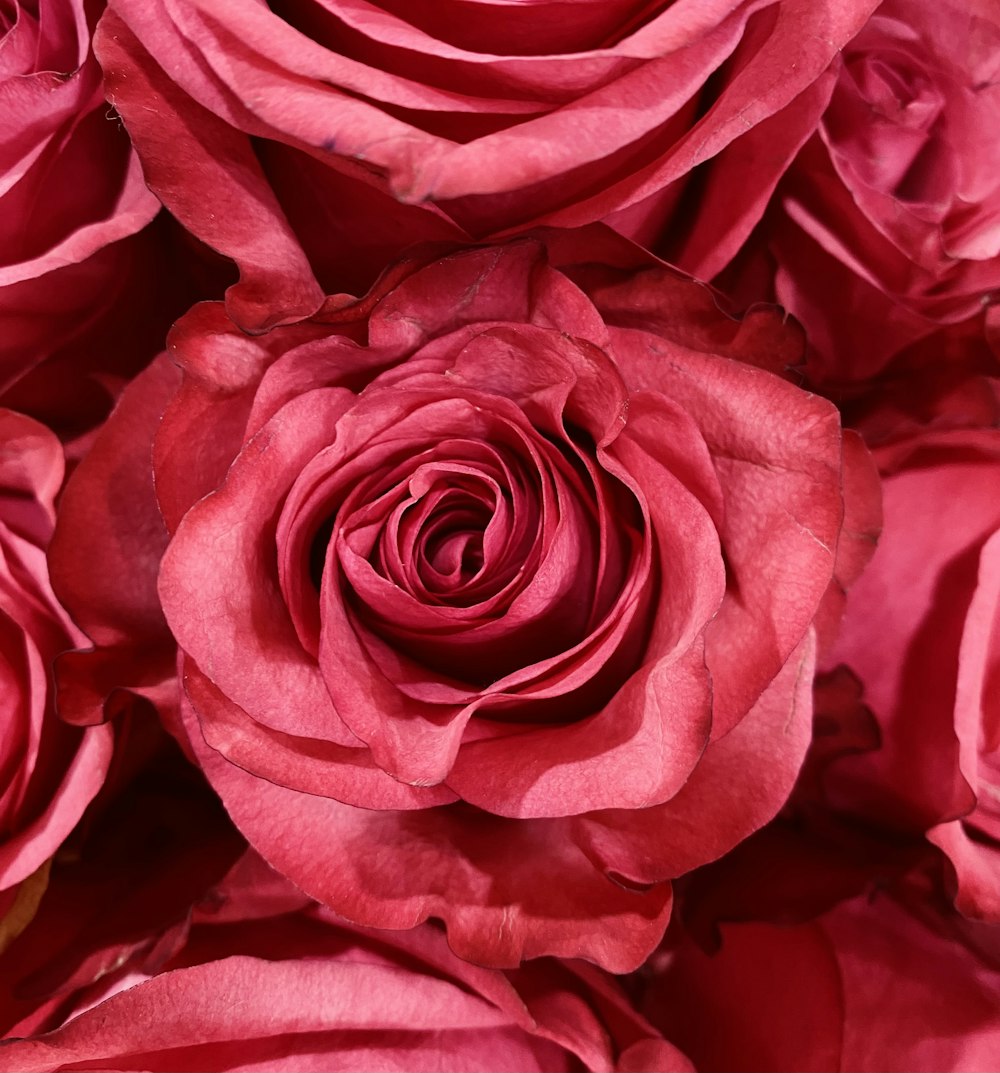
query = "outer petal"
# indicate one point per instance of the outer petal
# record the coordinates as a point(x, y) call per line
point(478, 137)
point(222, 558)
point(71, 193)
point(49, 772)
point(108, 515)
point(187, 142)
point(972, 844)
point(324, 768)
point(781, 486)
point(32, 845)
point(862, 493)
point(109, 510)
point(719, 805)
point(315, 993)
point(507, 890)
point(176, 1017)
point(904, 620)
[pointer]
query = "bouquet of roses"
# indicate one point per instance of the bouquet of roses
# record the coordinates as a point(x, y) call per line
point(500, 535)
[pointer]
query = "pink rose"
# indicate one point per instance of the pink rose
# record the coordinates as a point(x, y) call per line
point(921, 633)
point(71, 194)
point(893, 207)
point(266, 979)
point(495, 592)
point(356, 129)
point(50, 771)
point(865, 987)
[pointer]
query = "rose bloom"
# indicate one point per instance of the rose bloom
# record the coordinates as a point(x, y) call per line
point(360, 128)
point(50, 771)
point(264, 979)
point(71, 194)
point(892, 210)
point(867, 987)
point(921, 633)
point(495, 592)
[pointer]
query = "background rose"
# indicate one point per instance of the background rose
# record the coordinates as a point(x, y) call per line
point(498, 770)
point(76, 291)
point(360, 128)
point(121, 888)
point(267, 978)
point(867, 986)
point(50, 771)
point(920, 633)
point(891, 209)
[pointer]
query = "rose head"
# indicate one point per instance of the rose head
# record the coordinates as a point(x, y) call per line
point(921, 633)
point(486, 585)
point(357, 129)
point(71, 193)
point(50, 772)
point(892, 206)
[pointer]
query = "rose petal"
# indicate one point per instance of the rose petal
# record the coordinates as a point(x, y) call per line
point(701, 823)
point(277, 284)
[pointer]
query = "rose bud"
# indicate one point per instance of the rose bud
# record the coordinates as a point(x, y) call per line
point(921, 633)
point(358, 129)
point(889, 214)
point(496, 593)
point(50, 771)
point(267, 979)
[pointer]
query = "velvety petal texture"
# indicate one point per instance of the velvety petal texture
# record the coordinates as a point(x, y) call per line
point(108, 514)
point(71, 195)
point(921, 633)
point(267, 980)
point(360, 127)
point(49, 772)
point(891, 213)
point(472, 584)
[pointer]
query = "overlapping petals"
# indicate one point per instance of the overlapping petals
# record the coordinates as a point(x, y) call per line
point(266, 978)
point(484, 585)
point(50, 772)
point(825, 991)
point(71, 192)
point(930, 600)
point(356, 128)
point(892, 207)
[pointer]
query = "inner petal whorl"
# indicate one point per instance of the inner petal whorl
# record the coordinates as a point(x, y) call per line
point(443, 537)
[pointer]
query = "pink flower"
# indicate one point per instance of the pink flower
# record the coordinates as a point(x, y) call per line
point(495, 592)
point(356, 128)
point(893, 207)
point(920, 632)
point(866, 986)
point(50, 771)
point(71, 193)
